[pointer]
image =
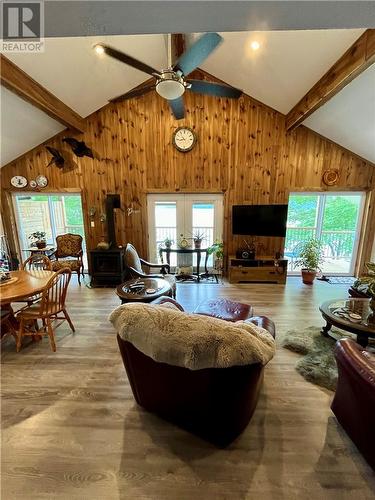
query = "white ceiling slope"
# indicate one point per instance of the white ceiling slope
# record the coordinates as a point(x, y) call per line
point(286, 66)
point(71, 69)
point(349, 117)
point(22, 126)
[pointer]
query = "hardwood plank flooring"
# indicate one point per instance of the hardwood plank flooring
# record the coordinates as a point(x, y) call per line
point(71, 429)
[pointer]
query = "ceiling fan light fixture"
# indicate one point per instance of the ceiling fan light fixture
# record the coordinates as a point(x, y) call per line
point(170, 86)
point(99, 49)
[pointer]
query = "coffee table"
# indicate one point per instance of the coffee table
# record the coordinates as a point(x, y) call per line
point(333, 310)
point(161, 287)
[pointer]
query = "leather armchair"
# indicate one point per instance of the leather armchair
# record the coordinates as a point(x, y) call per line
point(354, 401)
point(214, 403)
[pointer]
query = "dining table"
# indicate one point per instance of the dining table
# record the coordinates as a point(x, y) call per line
point(23, 284)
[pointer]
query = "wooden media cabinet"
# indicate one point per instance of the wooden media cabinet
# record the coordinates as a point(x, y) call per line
point(262, 269)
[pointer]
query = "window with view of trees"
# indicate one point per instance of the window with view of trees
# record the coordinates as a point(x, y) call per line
point(333, 218)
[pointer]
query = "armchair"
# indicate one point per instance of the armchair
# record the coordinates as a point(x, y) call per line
point(68, 254)
point(354, 401)
point(134, 264)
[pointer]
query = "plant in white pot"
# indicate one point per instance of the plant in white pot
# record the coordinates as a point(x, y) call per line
point(309, 259)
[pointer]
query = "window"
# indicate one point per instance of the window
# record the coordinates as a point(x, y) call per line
point(334, 219)
point(53, 214)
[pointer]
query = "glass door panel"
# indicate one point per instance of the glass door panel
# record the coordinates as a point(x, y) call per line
point(165, 225)
point(332, 218)
point(204, 224)
point(340, 228)
point(301, 224)
point(53, 214)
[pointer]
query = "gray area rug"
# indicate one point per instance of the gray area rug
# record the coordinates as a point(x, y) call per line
point(317, 364)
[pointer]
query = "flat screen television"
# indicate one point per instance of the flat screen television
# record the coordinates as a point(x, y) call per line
point(259, 220)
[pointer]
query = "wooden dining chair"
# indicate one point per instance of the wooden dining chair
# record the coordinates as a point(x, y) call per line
point(7, 327)
point(37, 262)
point(52, 304)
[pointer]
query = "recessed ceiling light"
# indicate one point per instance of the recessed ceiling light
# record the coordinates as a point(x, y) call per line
point(99, 49)
point(255, 45)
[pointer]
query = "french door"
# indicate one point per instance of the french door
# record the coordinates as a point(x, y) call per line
point(333, 218)
point(177, 216)
point(53, 214)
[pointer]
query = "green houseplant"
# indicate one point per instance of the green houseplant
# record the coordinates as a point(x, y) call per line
point(309, 259)
point(198, 237)
point(217, 249)
point(39, 239)
point(168, 243)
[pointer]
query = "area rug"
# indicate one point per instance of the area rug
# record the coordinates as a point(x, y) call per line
point(317, 364)
point(341, 280)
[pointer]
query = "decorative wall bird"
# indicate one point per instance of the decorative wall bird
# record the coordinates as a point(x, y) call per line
point(79, 148)
point(57, 157)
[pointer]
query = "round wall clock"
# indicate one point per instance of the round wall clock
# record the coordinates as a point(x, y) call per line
point(184, 139)
point(41, 181)
point(18, 181)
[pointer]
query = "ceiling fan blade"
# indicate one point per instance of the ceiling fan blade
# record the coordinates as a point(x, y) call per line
point(133, 93)
point(215, 89)
point(177, 107)
point(129, 60)
point(197, 53)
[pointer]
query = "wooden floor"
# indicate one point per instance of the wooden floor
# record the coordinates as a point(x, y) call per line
point(71, 429)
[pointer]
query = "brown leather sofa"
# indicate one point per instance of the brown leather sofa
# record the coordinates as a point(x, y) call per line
point(214, 403)
point(354, 401)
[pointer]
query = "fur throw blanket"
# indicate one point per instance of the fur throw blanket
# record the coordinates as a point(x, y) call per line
point(190, 340)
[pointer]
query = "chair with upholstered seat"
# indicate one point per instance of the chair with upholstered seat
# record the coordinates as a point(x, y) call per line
point(69, 254)
point(134, 264)
point(52, 304)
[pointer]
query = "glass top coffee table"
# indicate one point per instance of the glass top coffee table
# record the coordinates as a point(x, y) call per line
point(352, 315)
point(143, 290)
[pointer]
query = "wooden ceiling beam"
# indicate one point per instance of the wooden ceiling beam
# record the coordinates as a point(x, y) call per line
point(351, 64)
point(178, 46)
point(21, 84)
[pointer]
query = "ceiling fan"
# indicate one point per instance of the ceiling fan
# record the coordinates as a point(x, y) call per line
point(172, 83)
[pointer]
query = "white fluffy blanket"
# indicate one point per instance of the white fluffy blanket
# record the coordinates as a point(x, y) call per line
point(189, 340)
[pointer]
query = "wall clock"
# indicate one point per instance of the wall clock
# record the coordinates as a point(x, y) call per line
point(184, 139)
point(41, 181)
point(18, 181)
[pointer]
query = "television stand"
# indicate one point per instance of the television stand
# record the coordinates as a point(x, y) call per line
point(264, 269)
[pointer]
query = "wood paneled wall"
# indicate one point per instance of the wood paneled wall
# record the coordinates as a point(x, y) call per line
point(243, 150)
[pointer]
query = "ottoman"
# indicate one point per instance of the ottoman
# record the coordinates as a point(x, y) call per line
point(225, 309)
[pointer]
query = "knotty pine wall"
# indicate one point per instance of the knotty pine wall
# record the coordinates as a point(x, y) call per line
point(243, 150)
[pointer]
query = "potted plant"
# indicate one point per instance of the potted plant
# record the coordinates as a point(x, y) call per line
point(217, 249)
point(198, 237)
point(168, 242)
point(310, 257)
point(39, 239)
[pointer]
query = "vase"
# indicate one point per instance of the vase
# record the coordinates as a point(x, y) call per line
point(197, 243)
point(308, 276)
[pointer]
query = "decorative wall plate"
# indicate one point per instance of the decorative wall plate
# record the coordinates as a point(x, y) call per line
point(18, 181)
point(41, 181)
point(330, 177)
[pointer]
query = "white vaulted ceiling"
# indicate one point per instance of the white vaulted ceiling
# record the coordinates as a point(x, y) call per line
point(284, 68)
point(349, 118)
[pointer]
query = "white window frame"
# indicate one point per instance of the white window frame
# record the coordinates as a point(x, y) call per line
point(184, 214)
point(319, 222)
